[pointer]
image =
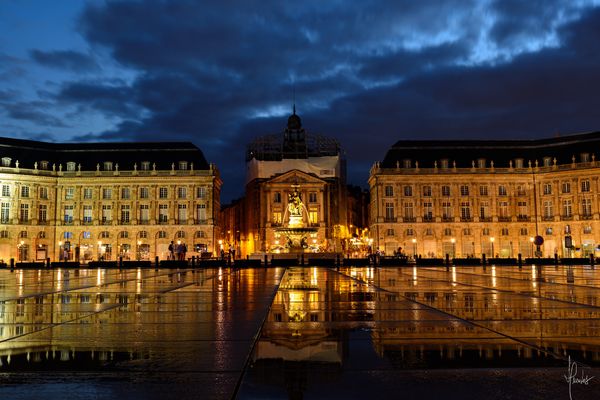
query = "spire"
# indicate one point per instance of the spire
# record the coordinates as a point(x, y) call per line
point(294, 98)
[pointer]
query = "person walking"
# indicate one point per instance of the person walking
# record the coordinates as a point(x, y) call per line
point(171, 256)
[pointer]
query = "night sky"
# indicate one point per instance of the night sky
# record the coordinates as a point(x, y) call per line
point(368, 73)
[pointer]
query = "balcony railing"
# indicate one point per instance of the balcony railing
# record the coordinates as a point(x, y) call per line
point(548, 218)
point(428, 218)
point(163, 222)
point(522, 218)
point(447, 219)
point(409, 219)
point(566, 217)
point(587, 216)
point(466, 219)
point(106, 222)
point(485, 219)
point(504, 219)
point(390, 219)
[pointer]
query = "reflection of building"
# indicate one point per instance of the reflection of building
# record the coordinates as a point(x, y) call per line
point(471, 197)
point(103, 200)
point(313, 164)
point(471, 318)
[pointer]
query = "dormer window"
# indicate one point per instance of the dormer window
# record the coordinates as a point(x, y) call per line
point(585, 157)
point(406, 163)
point(547, 161)
point(108, 166)
point(70, 166)
point(481, 163)
point(145, 165)
point(518, 163)
point(44, 164)
point(6, 161)
point(183, 165)
point(444, 163)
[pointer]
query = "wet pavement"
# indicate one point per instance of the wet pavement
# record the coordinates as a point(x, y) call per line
point(411, 333)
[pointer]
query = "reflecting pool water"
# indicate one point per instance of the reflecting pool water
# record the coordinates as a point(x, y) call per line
point(462, 332)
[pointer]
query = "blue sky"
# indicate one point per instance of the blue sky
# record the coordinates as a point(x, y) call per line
point(369, 73)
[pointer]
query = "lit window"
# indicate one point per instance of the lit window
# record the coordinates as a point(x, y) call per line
point(183, 165)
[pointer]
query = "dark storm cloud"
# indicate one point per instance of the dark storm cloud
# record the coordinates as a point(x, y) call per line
point(367, 73)
point(114, 100)
point(32, 112)
point(64, 59)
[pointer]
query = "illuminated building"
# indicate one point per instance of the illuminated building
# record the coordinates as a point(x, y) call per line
point(467, 198)
point(276, 166)
point(89, 201)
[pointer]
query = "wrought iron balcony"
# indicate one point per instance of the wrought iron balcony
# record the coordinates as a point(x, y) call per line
point(447, 219)
point(390, 219)
point(428, 218)
point(548, 218)
point(586, 216)
point(566, 217)
point(485, 219)
point(523, 218)
point(504, 219)
point(409, 219)
point(466, 219)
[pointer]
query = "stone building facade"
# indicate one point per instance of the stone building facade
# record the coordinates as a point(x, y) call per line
point(467, 198)
point(278, 165)
point(105, 200)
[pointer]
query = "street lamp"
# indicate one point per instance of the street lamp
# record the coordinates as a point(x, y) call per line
point(414, 241)
point(21, 250)
point(99, 249)
point(531, 239)
point(139, 250)
point(453, 240)
point(492, 242)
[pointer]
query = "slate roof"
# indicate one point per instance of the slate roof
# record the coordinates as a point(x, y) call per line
point(27, 152)
point(464, 152)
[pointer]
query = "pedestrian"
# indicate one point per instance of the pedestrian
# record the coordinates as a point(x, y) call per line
point(184, 251)
point(171, 256)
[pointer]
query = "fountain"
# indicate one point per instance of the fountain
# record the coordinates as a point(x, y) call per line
point(296, 232)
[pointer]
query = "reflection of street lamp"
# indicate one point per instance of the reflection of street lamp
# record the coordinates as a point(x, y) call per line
point(453, 240)
point(414, 241)
point(531, 239)
point(492, 242)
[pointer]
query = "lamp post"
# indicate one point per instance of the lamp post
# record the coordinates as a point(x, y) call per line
point(492, 242)
point(139, 250)
point(531, 239)
point(99, 250)
point(60, 252)
point(21, 250)
point(414, 242)
point(453, 240)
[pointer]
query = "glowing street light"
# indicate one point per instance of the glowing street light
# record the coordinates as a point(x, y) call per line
point(492, 242)
point(414, 242)
point(453, 241)
point(531, 239)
